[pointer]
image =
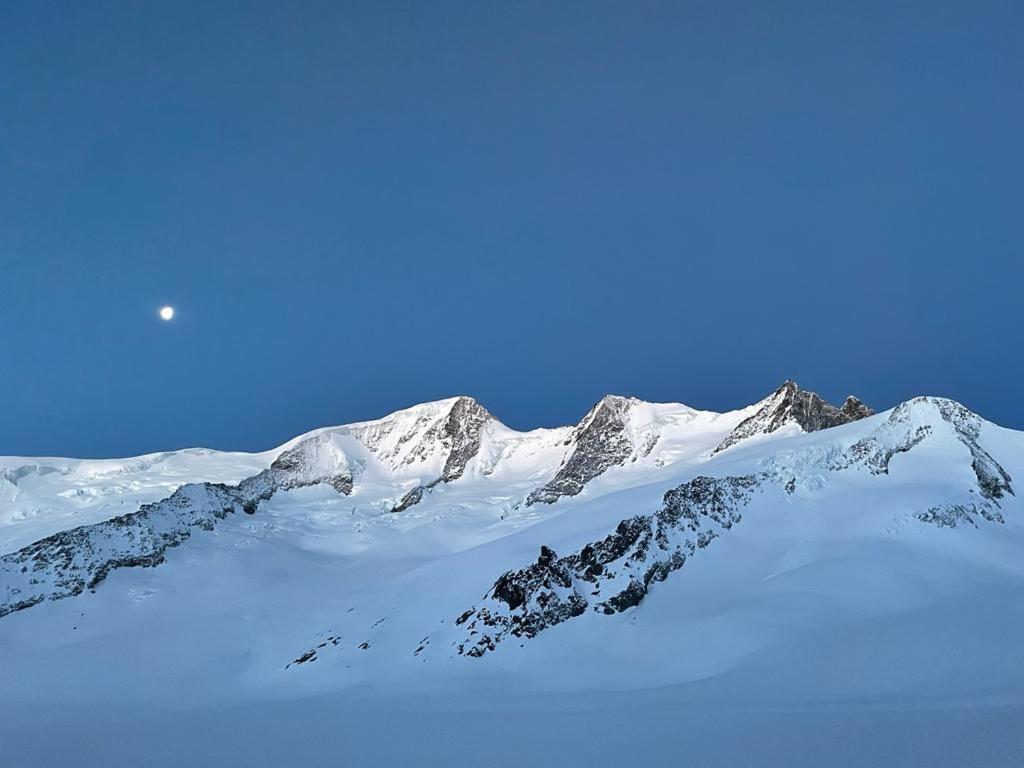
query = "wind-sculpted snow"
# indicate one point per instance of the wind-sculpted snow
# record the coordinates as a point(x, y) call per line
point(601, 441)
point(791, 405)
point(69, 562)
point(13, 476)
point(610, 575)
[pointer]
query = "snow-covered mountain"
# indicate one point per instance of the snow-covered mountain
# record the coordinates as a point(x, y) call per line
point(787, 553)
point(790, 406)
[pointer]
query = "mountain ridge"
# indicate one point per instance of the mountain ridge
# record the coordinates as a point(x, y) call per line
point(436, 444)
point(877, 561)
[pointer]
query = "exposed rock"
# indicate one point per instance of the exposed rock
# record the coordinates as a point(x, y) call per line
point(616, 573)
point(607, 576)
point(993, 480)
point(307, 656)
point(420, 434)
point(461, 431)
point(69, 562)
point(641, 551)
point(312, 461)
point(907, 426)
point(598, 443)
point(791, 405)
point(952, 515)
point(853, 409)
point(459, 435)
point(909, 423)
point(412, 497)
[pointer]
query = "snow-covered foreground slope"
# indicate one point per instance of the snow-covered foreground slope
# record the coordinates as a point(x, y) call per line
point(847, 596)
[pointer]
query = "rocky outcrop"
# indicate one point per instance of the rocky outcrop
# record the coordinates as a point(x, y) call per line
point(610, 575)
point(599, 442)
point(607, 576)
point(308, 463)
point(908, 425)
point(853, 409)
point(459, 436)
point(993, 480)
point(69, 562)
point(409, 499)
point(791, 405)
point(952, 515)
point(72, 561)
point(616, 573)
point(451, 429)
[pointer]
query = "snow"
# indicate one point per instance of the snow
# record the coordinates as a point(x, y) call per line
point(41, 496)
point(830, 626)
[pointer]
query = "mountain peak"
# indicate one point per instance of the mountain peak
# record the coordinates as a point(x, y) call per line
point(460, 401)
point(461, 435)
point(789, 404)
point(603, 439)
point(616, 401)
point(855, 409)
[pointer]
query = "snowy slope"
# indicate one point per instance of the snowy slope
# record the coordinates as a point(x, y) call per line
point(597, 586)
point(40, 496)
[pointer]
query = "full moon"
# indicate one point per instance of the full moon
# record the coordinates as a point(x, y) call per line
point(166, 313)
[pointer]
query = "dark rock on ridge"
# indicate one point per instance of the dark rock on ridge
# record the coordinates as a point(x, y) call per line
point(641, 551)
point(902, 431)
point(599, 443)
point(616, 573)
point(69, 562)
point(853, 409)
point(790, 404)
point(460, 434)
point(412, 497)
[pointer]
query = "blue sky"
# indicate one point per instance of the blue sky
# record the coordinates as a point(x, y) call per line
point(359, 206)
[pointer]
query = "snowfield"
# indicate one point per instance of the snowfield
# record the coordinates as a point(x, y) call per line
point(791, 584)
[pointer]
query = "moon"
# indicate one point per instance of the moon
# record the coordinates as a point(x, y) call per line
point(166, 313)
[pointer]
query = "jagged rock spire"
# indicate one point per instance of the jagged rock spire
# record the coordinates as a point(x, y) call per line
point(788, 405)
point(854, 409)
